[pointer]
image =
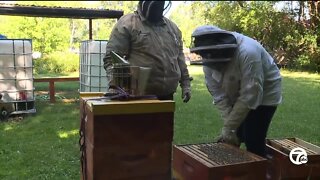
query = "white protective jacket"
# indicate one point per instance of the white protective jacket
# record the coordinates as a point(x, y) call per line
point(251, 78)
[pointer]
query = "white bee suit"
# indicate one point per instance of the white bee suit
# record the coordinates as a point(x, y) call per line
point(249, 80)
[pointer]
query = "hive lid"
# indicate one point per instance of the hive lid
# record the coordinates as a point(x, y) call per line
point(113, 107)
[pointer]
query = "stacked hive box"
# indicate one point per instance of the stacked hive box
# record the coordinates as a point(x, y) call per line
point(216, 161)
point(283, 168)
point(16, 74)
point(92, 74)
point(126, 139)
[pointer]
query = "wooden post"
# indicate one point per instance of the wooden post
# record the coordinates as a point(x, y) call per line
point(51, 92)
point(90, 29)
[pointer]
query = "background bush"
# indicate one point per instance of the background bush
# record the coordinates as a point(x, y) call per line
point(57, 62)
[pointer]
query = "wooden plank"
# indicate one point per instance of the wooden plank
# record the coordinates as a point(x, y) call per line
point(125, 107)
point(191, 154)
point(56, 79)
point(293, 144)
point(278, 146)
point(203, 156)
point(289, 145)
point(313, 147)
point(187, 166)
point(197, 149)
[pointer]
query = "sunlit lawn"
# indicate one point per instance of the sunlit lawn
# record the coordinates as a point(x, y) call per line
point(297, 116)
point(45, 145)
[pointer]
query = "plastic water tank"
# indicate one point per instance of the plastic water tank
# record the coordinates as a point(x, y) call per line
point(16, 73)
point(92, 74)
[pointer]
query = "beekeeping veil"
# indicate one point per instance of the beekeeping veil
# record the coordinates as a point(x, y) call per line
point(152, 10)
point(213, 44)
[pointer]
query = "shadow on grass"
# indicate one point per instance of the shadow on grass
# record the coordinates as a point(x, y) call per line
point(43, 145)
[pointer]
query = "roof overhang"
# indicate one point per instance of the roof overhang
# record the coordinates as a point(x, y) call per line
point(57, 12)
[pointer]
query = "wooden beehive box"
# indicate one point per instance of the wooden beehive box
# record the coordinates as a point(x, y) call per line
point(283, 168)
point(215, 161)
point(128, 139)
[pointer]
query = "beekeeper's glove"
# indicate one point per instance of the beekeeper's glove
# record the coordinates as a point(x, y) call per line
point(186, 94)
point(185, 85)
point(228, 136)
point(237, 115)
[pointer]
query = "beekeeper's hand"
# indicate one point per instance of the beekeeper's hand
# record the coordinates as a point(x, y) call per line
point(186, 94)
point(228, 136)
point(219, 138)
point(185, 85)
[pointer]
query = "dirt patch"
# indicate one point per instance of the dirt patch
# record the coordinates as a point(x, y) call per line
point(13, 118)
point(59, 96)
point(222, 154)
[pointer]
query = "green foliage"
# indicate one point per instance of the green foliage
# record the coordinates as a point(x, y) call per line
point(47, 34)
point(59, 34)
point(57, 62)
point(102, 28)
point(54, 37)
point(222, 14)
point(293, 41)
point(190, 12)
point(308, 62)
point(277, 31)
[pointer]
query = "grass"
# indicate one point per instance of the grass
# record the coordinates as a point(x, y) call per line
point(297, 116)
point(45, 145)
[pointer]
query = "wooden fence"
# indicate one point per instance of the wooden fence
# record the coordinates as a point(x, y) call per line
point(51, 82)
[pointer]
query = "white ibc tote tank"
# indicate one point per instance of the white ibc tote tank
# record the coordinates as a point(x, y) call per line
point(16, 74)
point(92, 74)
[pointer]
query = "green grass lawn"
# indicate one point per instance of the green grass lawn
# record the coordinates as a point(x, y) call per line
point(45, 145)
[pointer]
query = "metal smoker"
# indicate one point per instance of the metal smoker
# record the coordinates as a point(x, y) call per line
point(131, 79)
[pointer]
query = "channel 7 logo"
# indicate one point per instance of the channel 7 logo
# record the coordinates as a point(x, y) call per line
point(298, 156)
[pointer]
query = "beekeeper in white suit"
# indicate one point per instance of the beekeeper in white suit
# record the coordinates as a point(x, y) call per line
point(244, 81)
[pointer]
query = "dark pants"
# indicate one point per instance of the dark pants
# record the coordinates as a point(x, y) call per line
point(253, 130)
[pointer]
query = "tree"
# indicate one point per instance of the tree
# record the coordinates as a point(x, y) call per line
point(187, 16)
point(57, 34)
point(104, 27)
point(285, 33)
